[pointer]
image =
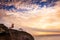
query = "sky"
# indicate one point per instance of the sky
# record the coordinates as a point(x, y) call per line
point(33, 14)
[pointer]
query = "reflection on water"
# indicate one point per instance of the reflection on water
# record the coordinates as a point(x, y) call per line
point(57, 37)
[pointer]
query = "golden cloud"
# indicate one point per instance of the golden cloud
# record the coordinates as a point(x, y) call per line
point(36, 17)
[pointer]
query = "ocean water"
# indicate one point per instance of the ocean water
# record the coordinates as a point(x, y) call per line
point(57, 37)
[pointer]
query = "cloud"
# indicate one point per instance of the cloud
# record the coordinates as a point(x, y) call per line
point(44, 0)
point(58, 3)
point(25, 11)
point(31, 15)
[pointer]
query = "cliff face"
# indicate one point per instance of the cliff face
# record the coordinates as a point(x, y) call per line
point(11, 34)
point(16, 35)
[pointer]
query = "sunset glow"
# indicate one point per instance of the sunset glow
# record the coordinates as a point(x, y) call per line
point(32, 16)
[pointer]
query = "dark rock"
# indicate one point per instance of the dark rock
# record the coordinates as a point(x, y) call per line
point(11, 34)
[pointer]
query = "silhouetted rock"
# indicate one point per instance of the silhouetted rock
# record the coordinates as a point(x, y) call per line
point(11, 34)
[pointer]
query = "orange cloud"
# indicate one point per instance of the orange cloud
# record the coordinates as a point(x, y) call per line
point(36, 17)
